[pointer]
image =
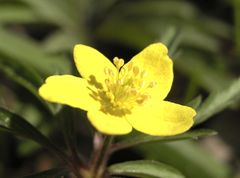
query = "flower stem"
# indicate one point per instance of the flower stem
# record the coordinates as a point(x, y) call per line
point(101, 157)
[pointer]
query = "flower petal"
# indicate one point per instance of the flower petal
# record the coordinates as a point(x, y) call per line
point(91, 62)
point(69, 90)
point(109, 124)
point(158, 66)
point(162, 119)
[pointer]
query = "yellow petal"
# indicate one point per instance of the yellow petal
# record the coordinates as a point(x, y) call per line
point(91, 62)
point(162, 119)
point(109, 124)
point(69, 90)
point(158, 66)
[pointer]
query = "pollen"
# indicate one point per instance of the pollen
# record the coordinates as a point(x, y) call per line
point(124, 88)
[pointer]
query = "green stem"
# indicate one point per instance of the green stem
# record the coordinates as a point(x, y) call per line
point(69, 164)
point(68, 126)
point(191, 90)
point(101, 157)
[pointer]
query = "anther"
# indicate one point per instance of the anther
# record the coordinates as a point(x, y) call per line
point(106, 71)
point(107, 81)
point(122, 72)
point(142, 84)
point(130, 65)
point(134, 92)
point(135, 70)
point(120, 81)
point(118, 62)
point(143, 74)
point(111, 73)
point(152, 84)
point(125, 87)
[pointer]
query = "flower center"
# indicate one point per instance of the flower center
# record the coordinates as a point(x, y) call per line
point(124, 88)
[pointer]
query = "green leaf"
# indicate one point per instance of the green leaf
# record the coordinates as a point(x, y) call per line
point(68, 120)
point(21, 14)
point(132, 34)
point(21, 75)
point(195, 103)
point(27, 52)
point(180, 9)
point(10, 122)
point(52, 173)
point(237, 23)
point(60, 41)
point(25, 77)
point(143, 169)
point(188, 157)
point(51, 12)
point(212, 25)
point(195, 38)
point(219, 101)
point(143, 138)
point(193, 64)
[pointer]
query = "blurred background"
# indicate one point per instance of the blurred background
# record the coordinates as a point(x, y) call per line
point(37, 39)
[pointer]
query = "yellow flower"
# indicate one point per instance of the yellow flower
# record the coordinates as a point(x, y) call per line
point(118, 96)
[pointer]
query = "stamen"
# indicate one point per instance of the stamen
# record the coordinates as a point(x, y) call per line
point(118, 62)
point(106, 71)
point(130, 65)
point(125, 89)
point(120, 81)
point(152, 84)
point(142, 84)
point(106, 81)
point(143, 74)
point(136, 70)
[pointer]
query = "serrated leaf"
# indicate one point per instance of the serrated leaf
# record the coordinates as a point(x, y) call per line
point(143, 138)
point(219, 101)
point(52, 173)
point(145, 168)
point(10, 122)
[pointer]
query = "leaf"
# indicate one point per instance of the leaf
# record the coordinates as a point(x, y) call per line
point(51, 12)
point(219, 101)
point(132, 34)
point(194, 38)
point(27, 52)
point(188, 157)
point(68, 123)
point(21, 14)
point(180, 9)
point(144, 168)
point(15, 124)
point(195, 103)
point(212, 25)
point(30, 82)
point(143, 138)
point(25, 77)
point(193, 64)
point(60, 41)
point(52, 173)
point(237, 23)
